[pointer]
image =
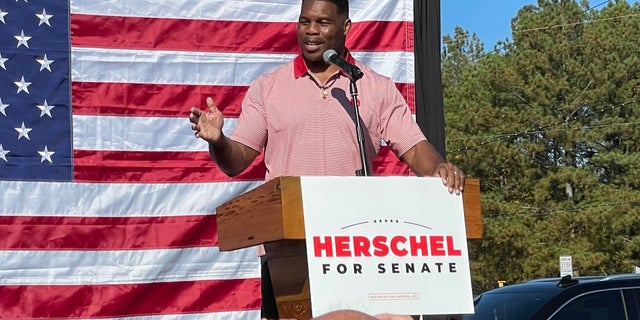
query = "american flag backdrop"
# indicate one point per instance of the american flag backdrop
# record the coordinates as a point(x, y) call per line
point(107, 200)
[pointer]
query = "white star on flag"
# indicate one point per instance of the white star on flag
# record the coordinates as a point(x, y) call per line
point(23, 132)
point(45, 63)
point(3, 153)
point(46, 109)
point(2, 61)
point(22, 85)
point(2, 14)
point(46, 155)
point(3, 107)
point(22, 39)
point(44, 18)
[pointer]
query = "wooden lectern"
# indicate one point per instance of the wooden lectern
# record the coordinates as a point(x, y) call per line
point(272, 215)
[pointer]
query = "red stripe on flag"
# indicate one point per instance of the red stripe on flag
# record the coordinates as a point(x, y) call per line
point(148, 167)
point(408, 91)
point(390, 36)
point(134, 99)
point(107, 233)
point(125, 300)
point(221, 36)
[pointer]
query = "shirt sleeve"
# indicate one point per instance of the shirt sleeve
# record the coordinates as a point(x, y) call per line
point(399, 129)
point(251, 128)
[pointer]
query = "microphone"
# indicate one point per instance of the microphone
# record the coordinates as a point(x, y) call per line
point(331, 56)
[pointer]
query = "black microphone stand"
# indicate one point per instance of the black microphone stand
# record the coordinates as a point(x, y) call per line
point(359, 133)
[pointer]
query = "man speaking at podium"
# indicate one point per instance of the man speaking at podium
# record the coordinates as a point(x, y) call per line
point(301, 114)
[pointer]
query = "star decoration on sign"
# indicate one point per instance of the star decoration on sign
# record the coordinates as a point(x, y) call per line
point(386, 221)
point(2, 61)
point(3, 107)
point(44, 18)
point(23, 132)
point(3, 153)
point(46, 155)
point(2, 14)
point(22, 39)
point(22, 85)
point(45, 108)
point(45, 63)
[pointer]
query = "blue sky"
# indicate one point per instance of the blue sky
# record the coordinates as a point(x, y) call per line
point(489, 19)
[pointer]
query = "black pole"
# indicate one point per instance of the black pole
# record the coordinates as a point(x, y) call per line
point(359, 132)
point(428, 74)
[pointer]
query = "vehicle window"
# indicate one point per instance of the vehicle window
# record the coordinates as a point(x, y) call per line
point(604, 305)
point(508, 306)
point(632, 302)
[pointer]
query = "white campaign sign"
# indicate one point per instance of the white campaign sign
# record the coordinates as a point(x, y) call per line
point(386, 245)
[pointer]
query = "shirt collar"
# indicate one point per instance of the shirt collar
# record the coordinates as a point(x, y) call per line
point(300, 66)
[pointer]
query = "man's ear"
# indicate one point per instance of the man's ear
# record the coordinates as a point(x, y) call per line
point(347, 26)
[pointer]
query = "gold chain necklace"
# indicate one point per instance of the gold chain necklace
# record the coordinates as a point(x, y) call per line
point(323, 88)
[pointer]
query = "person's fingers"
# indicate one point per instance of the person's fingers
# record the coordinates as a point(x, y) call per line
point(212, 105)
point(196, 112)
point(195, 115)
point(459, 180)
point(452, 177)
point(193, 119)
point(445, 173)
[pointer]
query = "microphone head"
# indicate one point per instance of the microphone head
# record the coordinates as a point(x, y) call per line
point(327, 55)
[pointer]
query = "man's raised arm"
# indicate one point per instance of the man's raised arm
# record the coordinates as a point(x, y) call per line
point(232, 157)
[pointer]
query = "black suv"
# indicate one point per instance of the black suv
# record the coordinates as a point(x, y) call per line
point(582, 298)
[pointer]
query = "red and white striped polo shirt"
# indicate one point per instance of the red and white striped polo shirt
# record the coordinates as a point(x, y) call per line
point(306, 128)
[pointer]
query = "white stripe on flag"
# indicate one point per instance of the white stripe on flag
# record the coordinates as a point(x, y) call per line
point(57, 267)
point(199, 68)
point(120, 133)
point(111, 133)
point(22, 198)
point(238, 10)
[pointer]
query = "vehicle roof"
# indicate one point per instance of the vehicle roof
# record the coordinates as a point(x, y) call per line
point(559, 284)
point(540, 298)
